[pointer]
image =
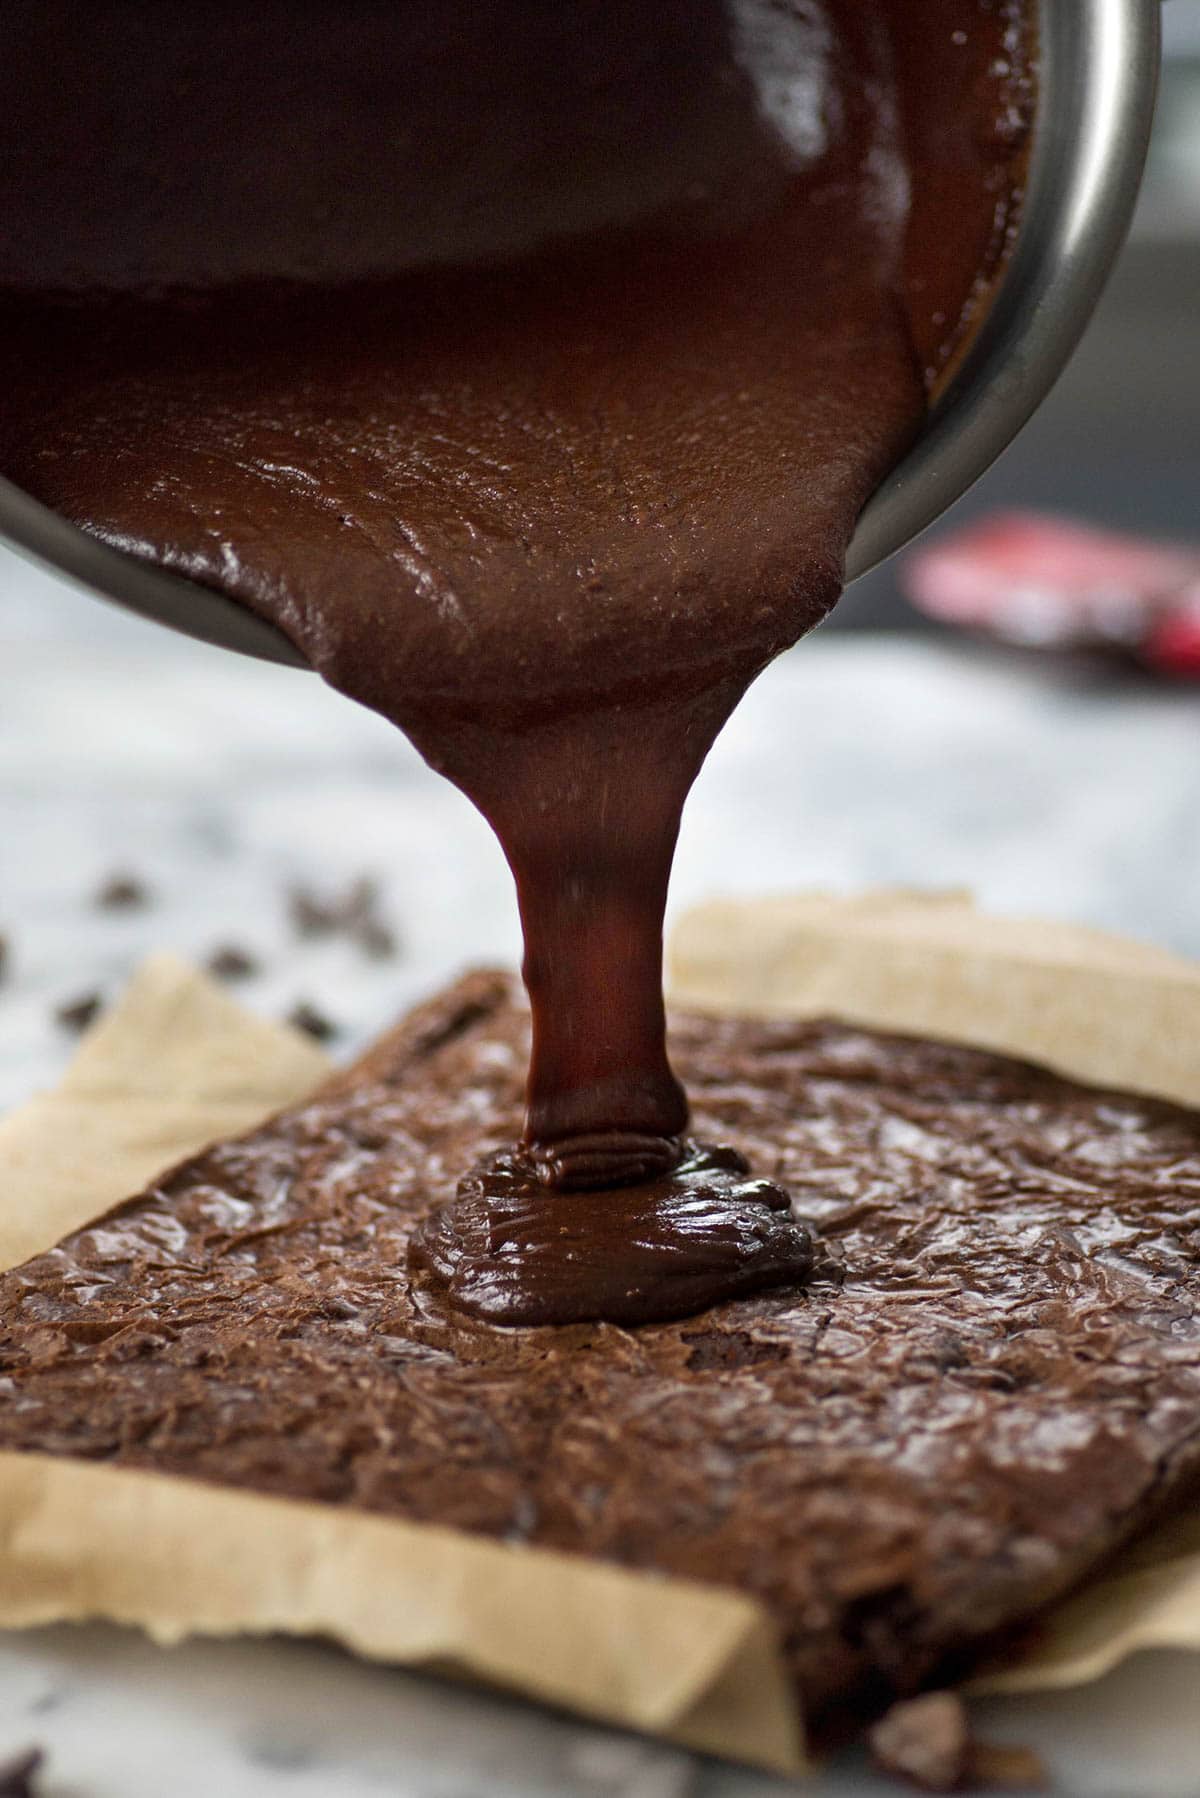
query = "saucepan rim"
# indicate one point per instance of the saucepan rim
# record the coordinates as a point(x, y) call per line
point(1097, 85)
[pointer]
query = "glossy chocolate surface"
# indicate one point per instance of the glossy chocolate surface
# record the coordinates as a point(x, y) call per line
point(657, 1247)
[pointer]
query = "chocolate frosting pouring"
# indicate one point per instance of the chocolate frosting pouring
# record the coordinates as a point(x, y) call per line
point(529, 365)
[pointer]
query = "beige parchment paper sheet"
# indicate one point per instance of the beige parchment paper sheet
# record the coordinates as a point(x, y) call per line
point(177, 1063)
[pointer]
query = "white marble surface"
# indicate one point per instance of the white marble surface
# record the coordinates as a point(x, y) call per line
point(855, 761)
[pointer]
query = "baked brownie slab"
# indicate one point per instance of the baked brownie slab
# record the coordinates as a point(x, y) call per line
point(994, 1377)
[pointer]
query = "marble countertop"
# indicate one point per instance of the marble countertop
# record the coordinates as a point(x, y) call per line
point(222, 783)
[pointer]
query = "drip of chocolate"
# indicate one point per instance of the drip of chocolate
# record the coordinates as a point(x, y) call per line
point(529, 365)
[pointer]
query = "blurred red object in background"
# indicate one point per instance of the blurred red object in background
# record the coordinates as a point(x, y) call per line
point(1053, 583)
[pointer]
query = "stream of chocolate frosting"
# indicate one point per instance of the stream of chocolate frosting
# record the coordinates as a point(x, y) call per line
point(529, 364)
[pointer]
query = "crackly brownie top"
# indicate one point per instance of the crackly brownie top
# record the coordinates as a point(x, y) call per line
point(993, 1378)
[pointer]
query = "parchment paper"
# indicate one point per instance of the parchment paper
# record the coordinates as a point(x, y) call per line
point(174, 1066)
point(177, 1063)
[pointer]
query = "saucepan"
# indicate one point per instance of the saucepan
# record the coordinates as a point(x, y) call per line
point(1099, 64)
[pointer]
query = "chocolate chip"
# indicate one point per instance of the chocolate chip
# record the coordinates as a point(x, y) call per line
point(17, 1774)
point(353, 914)
point(312, 915)
point(925, 1740)
point(314, 1023)
point(230, 962)
point(122, 892)
point(376, 939)
point(309, 915)
point(928, 1741)
point(77, 1014)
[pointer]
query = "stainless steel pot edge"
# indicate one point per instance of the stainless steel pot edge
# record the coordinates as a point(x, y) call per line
point(1099, 79)
point(137, 586)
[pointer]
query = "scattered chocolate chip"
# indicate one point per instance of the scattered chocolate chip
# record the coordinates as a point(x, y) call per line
point(17, 1774)
point(312, 915)
point(314, 1023)
point(376, 939)
point(925, 1740)
point(353, 914)
point(309, 915)
point(122, 892)
point(230, 962)
point(77, 1014)
point(928, 1741)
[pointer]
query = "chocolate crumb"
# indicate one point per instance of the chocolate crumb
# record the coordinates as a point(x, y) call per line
point(314, 1023)
point(925, 1740)
point(122, 892)
point(353, 914)
point(77, 1014)
point(231, 962)
point(928, 1742)
point(17, 1774)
